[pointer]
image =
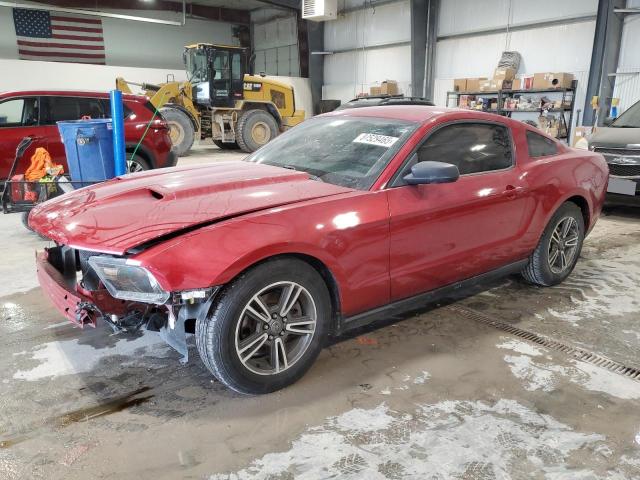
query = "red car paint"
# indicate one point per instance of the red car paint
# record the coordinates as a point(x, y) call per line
point(380, 245)
point(155, 147)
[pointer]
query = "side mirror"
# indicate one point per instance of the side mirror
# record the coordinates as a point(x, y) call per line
point(432, 172)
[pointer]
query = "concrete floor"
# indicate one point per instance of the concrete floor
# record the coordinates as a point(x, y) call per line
point(434, 396)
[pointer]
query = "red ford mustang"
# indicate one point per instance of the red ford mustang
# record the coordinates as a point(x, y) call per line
point(336, 223)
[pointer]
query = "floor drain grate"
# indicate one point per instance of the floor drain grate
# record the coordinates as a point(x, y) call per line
point(576, 353)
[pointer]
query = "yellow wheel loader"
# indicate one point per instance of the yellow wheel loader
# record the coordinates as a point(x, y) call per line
point(221, 100)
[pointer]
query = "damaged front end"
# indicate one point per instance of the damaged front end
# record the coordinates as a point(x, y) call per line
point(88, 286)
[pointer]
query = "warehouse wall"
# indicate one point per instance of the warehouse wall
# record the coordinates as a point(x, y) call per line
point(558, 48)
point(127, 44)
point(19, 75)
point(627, 87)
point(275, 42)
point(353, 68)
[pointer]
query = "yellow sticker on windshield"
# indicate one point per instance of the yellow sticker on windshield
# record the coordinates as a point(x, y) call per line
point(378, 140)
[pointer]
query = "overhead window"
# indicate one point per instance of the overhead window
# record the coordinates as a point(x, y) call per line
point(540, 146)
point(472, 147)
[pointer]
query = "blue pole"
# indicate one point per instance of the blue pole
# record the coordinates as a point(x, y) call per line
point(117, 119)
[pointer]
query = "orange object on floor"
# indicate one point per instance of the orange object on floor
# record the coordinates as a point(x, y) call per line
point(40, 163)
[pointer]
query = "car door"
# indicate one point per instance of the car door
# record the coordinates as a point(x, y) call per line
point(444, 233)
point(18, 119)
point(56, 109)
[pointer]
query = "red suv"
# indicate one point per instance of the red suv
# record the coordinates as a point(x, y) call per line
point(35, 113)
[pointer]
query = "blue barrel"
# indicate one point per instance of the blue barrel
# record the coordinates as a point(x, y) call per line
point(88, 145)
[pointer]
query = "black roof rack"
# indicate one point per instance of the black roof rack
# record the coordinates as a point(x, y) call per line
point(380, 100)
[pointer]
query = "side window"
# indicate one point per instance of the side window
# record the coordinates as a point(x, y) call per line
point(91, 107)
point(236, 67)
point(58, 109)
point(221, 65)
point(106, 108)
point(19, 112)
point(540, 146)
point(472, 147)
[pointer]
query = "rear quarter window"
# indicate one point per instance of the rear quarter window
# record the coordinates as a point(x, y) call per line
point(540, 146)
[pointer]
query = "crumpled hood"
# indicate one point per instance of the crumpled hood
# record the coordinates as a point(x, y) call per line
point(128, 211)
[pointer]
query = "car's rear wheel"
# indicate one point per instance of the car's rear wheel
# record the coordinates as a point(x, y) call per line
point(557, 252)
point(136, 164)
point(267, 328)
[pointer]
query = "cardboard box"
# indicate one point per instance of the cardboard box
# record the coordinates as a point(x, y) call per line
point(563, 80)
point(517, 84)
point(505, 84)
point(473, 84)
point(550, 80)
point(495, 85)
point(459, 84)
point(375, 91)
point(389, 87)
point(581, 137)
point(504, 74)
point(489, 86)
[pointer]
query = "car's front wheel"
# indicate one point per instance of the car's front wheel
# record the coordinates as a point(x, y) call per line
point(267, 327)
point(559, 248)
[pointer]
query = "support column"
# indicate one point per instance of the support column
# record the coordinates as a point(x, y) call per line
point(315, 36)
point(424, 34)
point(604, 59)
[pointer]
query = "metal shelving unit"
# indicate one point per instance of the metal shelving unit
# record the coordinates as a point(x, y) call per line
point(568, 97)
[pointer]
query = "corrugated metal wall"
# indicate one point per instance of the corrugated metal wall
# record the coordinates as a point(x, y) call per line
point(627, 87)
point(275, 42)
point(554, 48)
point(463, 16)
point(353, 67)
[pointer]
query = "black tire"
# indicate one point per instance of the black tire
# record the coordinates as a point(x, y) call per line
point(136, 163)
point(24, 216)
point(539, 270)
point(216, 334)
point(181, 129)
point(226, 146)
point(255, 128)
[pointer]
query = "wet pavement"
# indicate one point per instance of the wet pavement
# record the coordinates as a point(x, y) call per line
point(433, 395)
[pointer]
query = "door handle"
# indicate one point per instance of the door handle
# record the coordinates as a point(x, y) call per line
point(512, 192)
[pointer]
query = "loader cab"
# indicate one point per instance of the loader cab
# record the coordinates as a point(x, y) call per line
point(216, 73)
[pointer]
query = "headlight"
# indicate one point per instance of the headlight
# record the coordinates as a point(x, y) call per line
point(128, 282)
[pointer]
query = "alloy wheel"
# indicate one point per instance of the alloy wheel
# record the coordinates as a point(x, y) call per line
point(134, 167)
point(563, 245)
point(275, 328)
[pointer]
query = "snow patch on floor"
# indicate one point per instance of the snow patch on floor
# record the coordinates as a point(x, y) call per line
point(360, 420)
point(450, 439)
point(422, 378)
point(69, 357)
point(521, 347)
point(545, 375)
point(600, 288)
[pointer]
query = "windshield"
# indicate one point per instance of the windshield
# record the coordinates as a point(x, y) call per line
point(350, 152)
point(195, 62)
point(630, 118)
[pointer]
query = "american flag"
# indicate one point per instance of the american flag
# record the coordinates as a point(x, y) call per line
point(58, 37)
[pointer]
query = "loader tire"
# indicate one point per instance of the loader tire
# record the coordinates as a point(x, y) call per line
point(255, 128)
point(181, 129)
